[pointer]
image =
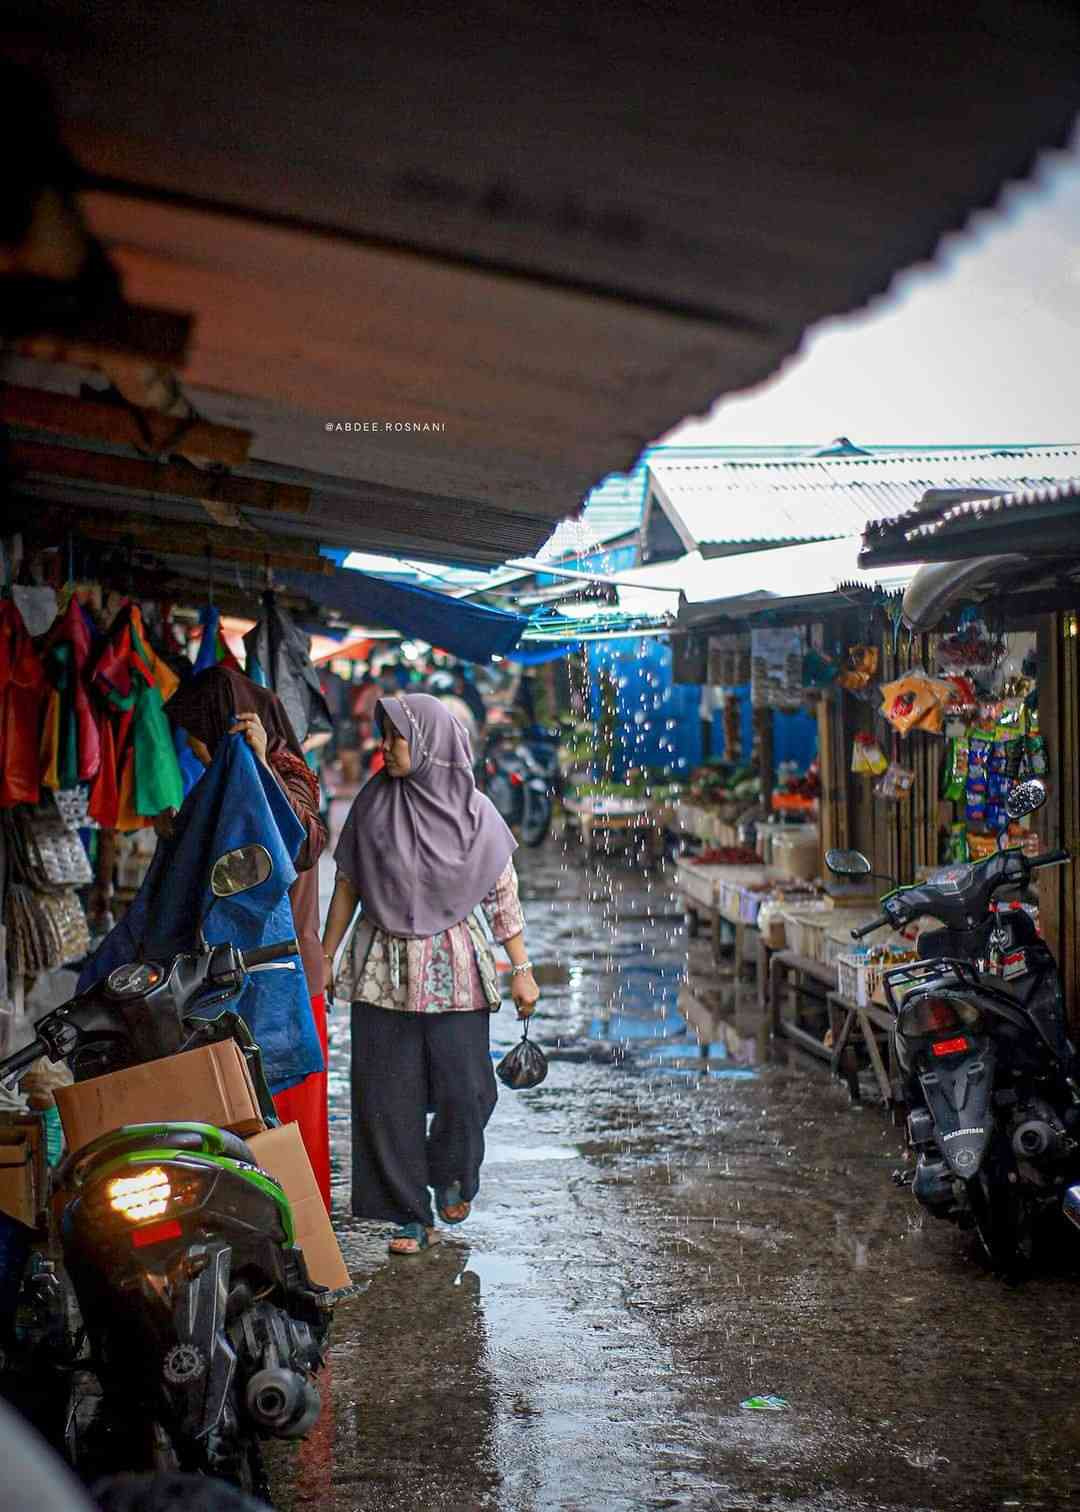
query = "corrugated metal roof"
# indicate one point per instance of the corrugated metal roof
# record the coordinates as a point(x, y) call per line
point(728, 500)
point(1036, 522)
point(616, 505)
point(977, 509)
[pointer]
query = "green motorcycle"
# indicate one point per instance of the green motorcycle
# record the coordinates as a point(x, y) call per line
point(201, 1330)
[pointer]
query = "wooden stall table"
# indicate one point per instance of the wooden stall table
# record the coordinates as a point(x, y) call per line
point(709, 892)
point(783, 967)
point(629, 820)
point(847, 1017)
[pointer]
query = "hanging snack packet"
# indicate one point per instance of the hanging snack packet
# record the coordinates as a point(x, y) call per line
point(896, 783)
point(867, 757)
point(996, 818)
point(860, 667)
point(904, 702)
point(955, 770)
point(978, 754)
point(958, 842)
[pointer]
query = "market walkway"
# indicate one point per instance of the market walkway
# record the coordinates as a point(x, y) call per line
point(655, 1242)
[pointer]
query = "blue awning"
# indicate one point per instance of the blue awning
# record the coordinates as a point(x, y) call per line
point(470, 631)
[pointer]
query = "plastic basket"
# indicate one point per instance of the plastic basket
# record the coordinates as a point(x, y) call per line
point(805, 932)
point(838, 939)
point(749, 905)
point(858, 978)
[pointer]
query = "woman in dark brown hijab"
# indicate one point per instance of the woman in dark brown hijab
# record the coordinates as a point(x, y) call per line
point(220, 702)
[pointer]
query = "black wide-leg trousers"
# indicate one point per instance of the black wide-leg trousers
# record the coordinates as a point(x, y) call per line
point(403, 1066)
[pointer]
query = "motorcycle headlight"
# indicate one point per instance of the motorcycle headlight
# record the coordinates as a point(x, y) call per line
point(145, 1194)
point(135, 979)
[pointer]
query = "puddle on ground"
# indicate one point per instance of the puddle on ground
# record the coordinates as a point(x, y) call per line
point(527, 1154)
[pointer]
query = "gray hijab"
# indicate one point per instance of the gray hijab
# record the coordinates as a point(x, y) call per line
point(423, 850)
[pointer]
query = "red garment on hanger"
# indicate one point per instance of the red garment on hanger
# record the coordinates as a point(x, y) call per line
point(23, 690)
point(69, 643)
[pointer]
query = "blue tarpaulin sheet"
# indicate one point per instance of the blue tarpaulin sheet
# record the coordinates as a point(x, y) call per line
point(470, 631)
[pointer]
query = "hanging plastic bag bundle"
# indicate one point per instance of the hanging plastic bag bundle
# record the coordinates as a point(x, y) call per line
point(524, 1066)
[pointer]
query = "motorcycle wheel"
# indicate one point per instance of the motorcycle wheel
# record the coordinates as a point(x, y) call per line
point(536, 819)
point(1003, 1221)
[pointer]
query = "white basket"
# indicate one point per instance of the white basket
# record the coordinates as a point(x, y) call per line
point(805, 932)
point(858, 978)
point(838, 939)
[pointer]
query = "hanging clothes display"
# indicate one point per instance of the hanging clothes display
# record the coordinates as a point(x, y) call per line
point(277, 658)
point(71, 737)
point(23, 692)
point(136, 684)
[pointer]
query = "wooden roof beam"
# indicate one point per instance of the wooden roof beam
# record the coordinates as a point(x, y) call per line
point(176, 479)
point(122, 425)
point(168, 540)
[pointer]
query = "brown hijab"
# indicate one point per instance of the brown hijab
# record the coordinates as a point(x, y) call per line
point(208, 703)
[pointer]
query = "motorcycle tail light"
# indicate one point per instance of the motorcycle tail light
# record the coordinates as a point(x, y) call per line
point(950, 1046)
point(516, 779)
point(144, 1195)
point(937, 1015)
point(156, 1233)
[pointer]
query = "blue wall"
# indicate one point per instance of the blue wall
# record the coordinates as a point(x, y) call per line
point(660, 723)
point(795, 734)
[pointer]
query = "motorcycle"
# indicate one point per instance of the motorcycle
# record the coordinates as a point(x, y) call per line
point(519, 787)
point(200, 1326)
point(979, 1037)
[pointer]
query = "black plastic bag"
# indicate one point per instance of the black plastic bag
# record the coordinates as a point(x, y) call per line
point(523, 1066)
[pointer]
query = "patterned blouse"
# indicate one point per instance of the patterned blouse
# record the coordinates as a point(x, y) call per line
point(452, 972)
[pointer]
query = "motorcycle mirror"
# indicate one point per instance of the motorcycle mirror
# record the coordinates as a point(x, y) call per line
point(848, 863)
point(1025, 798)
point(240, 870)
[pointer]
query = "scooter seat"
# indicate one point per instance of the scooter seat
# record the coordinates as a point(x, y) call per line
point(184, 1138)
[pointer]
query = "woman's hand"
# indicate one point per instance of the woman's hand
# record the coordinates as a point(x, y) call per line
point(250, 726)
point(164, 824)
point(328, 977)
point(525, 993)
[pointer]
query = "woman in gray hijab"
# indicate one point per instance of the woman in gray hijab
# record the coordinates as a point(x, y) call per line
point(425, 855)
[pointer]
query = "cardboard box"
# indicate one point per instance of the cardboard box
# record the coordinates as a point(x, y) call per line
point(23, 1172)
point(281, 1153)
point(211, 1085)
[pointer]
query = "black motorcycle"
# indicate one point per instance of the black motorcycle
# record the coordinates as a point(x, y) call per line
point(519, 786)
point(198, 1330)
point(979, 1037)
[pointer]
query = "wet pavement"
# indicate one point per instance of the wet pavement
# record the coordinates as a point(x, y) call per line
point(667, 1226)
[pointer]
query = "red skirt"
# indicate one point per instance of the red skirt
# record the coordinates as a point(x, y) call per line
point(305, 1104)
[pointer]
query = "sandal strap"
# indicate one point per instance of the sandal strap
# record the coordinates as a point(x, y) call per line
point(415, 1231)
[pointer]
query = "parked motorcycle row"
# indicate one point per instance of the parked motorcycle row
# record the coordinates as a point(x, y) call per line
point(988, 1075)
point(169, 1322)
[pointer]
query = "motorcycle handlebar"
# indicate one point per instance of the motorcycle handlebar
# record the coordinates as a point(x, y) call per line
point(11, 1067)
point(264, 953)
point(857, 934)
point(1050, 858)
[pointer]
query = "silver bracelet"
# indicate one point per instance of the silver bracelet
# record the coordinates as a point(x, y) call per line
point(520, 970)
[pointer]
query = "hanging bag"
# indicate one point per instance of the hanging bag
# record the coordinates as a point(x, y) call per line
point(524, 1066)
